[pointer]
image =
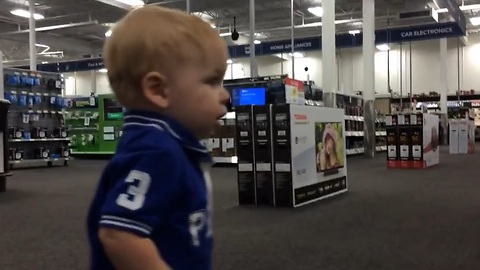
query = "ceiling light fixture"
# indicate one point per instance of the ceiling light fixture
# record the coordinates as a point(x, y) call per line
point(317, 11)
point(229, 61)
point(463, 8)
point(124, 4)
point(383, 47)
point(297, 55)
point(475, 21)
point(354, 32)
point(26, 14)
point(257, 41)
point(103, 70)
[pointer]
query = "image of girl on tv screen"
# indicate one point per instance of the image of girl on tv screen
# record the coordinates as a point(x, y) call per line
point(327, 156)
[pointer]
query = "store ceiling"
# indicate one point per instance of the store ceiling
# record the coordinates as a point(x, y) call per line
point(81, 24)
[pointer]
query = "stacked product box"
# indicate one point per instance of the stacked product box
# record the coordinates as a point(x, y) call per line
point(290, 155)
point(412, 140)
point(245, 155)
point(461, 136)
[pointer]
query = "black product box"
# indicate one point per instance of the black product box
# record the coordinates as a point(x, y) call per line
point(416, 137)
point(262, 136)
point(245, 154)
point(282, 155)
point(404, 137)
point(391, 128)
point(216, 142)
point(228, 139)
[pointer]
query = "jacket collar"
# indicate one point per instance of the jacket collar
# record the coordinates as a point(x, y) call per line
point(169, 125)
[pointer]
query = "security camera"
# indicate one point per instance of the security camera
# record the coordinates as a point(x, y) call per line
point(306, 68)
point(235, 35)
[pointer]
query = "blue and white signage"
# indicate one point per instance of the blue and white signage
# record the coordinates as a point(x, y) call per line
point(394, 35)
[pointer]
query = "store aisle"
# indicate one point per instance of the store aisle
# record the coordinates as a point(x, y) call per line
point(425, 219)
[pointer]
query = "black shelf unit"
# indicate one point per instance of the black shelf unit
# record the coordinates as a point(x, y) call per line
point(36, 129)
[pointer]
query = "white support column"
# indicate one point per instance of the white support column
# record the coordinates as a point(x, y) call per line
point(369, 76)
point(32, 36)
point(443, 75)
point(188, 6)
point(93, 75)
point(328, 53)
point(443, 89)
point(253, 61)
point(292, 36)
point(2, 90)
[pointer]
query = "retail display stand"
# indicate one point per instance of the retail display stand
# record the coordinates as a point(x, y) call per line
point(82, 119)
point(461, 136)
point(412, 140)
point(4, 168)
point(290, 155)
point(36, 132)
point(95, 124)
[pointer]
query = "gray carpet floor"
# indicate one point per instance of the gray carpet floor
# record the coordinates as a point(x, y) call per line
point(390, 219)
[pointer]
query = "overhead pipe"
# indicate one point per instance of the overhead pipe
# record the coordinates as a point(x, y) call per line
point(307, 25)
point(51, 27)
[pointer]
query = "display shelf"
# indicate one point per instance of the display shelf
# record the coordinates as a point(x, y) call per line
point(36, 131)
point(38, 162)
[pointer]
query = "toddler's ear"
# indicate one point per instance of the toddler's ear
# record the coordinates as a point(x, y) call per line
point(154, 88)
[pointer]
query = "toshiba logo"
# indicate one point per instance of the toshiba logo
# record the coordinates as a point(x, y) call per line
point(300, 117)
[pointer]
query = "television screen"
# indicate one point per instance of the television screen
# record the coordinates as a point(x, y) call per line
point(112, 110)
point(248, 96)
point(329, 146)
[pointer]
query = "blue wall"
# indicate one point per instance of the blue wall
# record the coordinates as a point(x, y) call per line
point(395, 35)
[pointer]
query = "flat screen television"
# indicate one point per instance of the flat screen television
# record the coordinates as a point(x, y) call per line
point(248, 96)
point(329, 147)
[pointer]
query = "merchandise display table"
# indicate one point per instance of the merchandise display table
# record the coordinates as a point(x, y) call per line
point(4, 168)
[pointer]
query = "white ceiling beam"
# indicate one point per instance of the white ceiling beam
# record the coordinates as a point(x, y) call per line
point(123, 4)
point(57, 42)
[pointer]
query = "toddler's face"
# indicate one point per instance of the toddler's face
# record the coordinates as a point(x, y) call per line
point(199, 99)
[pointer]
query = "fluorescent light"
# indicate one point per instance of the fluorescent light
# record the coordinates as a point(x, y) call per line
point(317, 11)
point(42, 45)
point(318, 24)
point(125, 4)
point(229, 61)
point(475, 21)
point(383, 47)
point(44, 62)
point(103, 70)
point(25, 14)
point(463, 8)
point(354, 32)
point(257, 42)
point(108, 33)
point(297, 55)
point(225, 34)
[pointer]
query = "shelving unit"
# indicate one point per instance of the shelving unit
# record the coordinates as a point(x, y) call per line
point(354, 124)
point(36, 133)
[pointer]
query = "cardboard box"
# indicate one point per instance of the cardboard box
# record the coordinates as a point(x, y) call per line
point(263, 154)
point(245, 154)
point(309, 154)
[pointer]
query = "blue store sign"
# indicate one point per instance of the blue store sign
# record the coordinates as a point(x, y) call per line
point(395, 35)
